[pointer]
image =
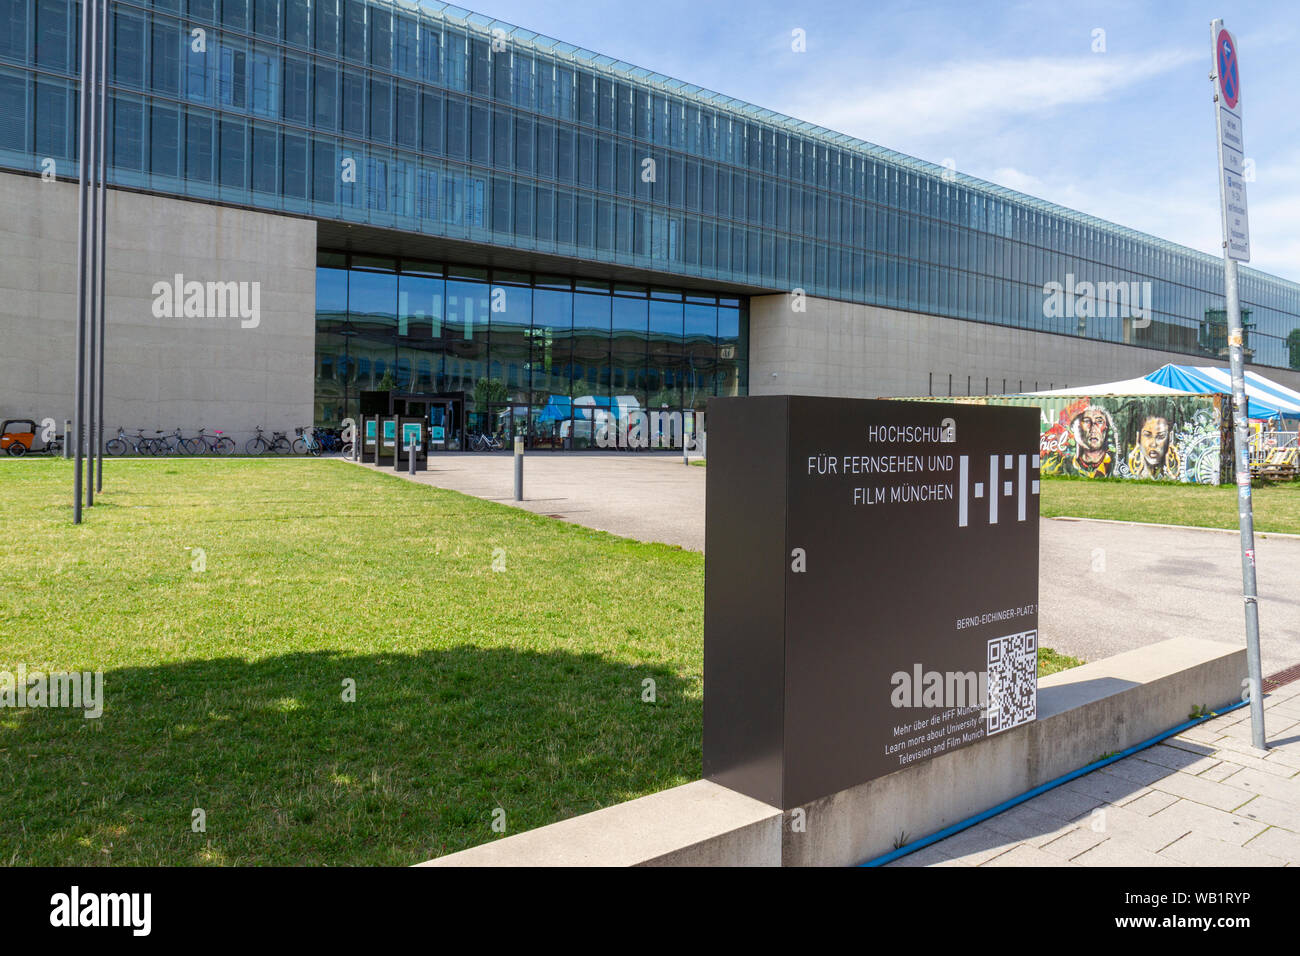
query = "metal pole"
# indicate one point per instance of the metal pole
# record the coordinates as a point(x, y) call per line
point(1241, 421)
point(91, 154)
point(67, 439)
point(103, 240)
point(79, 405)
point(410, 457)
point(1246, 512)
point(519, 468)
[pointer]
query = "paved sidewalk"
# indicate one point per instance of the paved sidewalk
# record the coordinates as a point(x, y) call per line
point(1203, 798)
point(650, 497)
point(1105, 587)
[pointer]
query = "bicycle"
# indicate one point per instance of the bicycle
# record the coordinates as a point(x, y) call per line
point(217, 444)
point(485, 442)
point(123, 443)
point(258, 444)
point(307, 444)
point(174, 443)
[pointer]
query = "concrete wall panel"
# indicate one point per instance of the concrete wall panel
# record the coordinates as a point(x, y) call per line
point(162, 372)
point(862, 351)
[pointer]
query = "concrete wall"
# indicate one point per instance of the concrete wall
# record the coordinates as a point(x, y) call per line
point(161, 372)
point(861, 351)
point(1083, 713)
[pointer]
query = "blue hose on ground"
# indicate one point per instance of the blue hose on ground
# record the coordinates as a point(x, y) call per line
point(1041, 788)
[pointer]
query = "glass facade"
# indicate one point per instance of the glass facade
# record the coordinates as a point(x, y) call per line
point(557, 351)
point(431, 119)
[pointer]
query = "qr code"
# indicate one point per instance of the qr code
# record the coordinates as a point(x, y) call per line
point(1013, 681)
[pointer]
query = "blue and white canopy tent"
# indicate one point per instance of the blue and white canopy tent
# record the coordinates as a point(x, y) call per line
point(1267, 398)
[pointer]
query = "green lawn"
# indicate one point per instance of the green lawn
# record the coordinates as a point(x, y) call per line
point(476, 688)
point(1276, 506)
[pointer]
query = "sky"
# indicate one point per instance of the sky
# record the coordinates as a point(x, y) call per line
point(1102, 107)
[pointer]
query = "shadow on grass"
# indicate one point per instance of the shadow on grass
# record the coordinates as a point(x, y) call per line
point(287, 772)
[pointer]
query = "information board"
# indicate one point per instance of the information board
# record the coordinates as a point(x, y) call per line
point(871, 595)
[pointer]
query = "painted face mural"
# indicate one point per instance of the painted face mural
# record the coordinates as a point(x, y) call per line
point(1151, 437)
point(1081, 442)
point(1152, 454)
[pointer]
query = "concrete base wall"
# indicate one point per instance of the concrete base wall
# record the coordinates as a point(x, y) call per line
point(161, 372)
point(696, 824)
point(861, 351)
point(1083, 713)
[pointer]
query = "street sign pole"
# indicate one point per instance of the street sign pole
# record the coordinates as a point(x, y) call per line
point(1226, 76)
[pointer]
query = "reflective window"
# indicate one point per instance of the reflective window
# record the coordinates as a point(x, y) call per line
point(551, 152)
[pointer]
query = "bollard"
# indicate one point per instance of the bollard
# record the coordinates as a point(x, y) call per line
point(519, 468)
point(410, 457)
point(67, 438)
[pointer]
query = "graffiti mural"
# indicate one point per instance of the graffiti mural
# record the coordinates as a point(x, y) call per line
point(1140, 437)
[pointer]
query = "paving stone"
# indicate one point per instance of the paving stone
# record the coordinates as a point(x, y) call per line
point(1275, 728)
point(1277, 768)
point(1118, 853)
point(1197, 735)
point(1225, 720)
point(1275, 812)
point(1178, 758)
point(1266, 784)
point(1150, 803)
point(1194, 747)
point(1107, 786)
point(1285, 757)
point(1148, 832)
point(1139, 771)
point(1241, 746)
point(1278, 842)
point(1025, 855)
point(1197, 849)
point(1290, 708)
point(1063, 803)
point(1287, 745)
point(974, 846)
point(1219, 824)
point(1218, 795)
point(1078, 840)
point(1221, 772)
point(926, 856)
point(1027, 825)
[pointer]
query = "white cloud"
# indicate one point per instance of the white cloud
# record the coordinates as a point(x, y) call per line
point(959, 96)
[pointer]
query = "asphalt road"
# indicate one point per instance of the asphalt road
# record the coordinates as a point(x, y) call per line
point(1104, 587)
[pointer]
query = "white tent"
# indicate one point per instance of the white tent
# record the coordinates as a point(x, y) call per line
point(1129, 386)
point(1268, 399)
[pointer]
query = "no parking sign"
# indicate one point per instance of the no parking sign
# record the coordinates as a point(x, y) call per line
point(1232, 184)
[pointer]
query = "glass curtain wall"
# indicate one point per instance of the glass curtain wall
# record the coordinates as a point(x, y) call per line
point(550, 355)
point(434, 120)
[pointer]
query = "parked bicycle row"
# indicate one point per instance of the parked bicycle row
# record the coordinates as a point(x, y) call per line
point(306, 441)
